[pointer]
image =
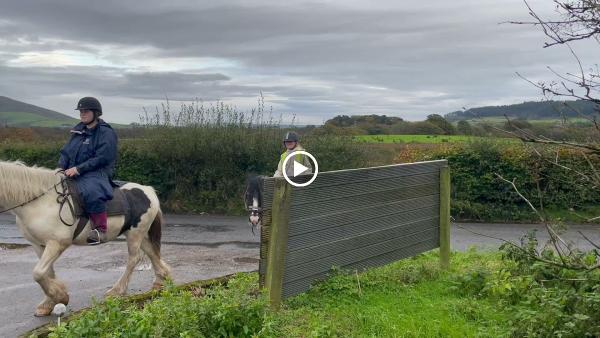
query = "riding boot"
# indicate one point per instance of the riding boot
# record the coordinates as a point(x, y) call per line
point(99, 227)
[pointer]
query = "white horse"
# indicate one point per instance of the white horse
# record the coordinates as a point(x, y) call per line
point(37, 214)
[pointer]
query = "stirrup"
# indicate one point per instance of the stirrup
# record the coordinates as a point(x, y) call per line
point(96, 237)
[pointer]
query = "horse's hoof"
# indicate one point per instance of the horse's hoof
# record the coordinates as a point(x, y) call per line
point(42, 312)
point(64, 300)
point(114, 293)
point(157, 286)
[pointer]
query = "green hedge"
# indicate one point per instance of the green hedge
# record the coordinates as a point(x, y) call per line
point(478, 194)
point(200, 170)
point(205, 171)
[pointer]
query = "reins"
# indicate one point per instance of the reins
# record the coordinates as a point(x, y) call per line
point(62, 199)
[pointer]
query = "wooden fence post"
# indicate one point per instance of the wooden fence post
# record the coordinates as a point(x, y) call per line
point(445, 217)
point(278, 242)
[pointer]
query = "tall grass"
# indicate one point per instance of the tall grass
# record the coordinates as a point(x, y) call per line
point(205, 152)
point(202, 154)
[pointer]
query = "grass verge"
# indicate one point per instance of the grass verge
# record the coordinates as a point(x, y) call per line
point(410, 298)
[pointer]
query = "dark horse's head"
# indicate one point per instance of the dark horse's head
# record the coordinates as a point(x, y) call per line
point(253, 200)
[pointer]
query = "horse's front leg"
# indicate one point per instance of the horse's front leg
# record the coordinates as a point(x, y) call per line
point(47, 302)
point(43, 274)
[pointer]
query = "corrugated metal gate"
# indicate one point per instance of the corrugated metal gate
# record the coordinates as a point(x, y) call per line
point(351, 219)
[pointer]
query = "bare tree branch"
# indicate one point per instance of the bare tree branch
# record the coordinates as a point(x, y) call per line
point(554, 237)
point(589, 240)
point(579, 22)
point(535, 257)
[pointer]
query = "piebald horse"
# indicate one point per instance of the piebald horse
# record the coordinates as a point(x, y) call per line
point(32, 191)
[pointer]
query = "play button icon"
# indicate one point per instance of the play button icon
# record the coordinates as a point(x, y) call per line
point(300, 169)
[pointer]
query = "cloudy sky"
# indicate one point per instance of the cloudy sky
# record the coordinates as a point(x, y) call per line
point(314, 59)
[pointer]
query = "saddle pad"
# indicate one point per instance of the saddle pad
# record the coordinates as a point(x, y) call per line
point(132, 203)
point(119, 205)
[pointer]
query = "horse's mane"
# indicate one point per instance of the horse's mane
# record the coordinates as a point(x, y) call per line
point(20, 183)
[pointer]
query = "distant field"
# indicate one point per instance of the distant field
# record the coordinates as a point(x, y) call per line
point(546, 122)
point(415, 138)
point(20, 119)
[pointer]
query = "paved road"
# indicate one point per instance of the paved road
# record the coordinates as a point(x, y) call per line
point(196, 247)
point(463, 238)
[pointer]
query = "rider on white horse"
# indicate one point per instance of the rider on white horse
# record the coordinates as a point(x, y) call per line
point(89, 158)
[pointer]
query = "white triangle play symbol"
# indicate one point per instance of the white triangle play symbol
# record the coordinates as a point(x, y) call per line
point(299, 168)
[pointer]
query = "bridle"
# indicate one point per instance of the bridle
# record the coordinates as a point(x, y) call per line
point(254, 212)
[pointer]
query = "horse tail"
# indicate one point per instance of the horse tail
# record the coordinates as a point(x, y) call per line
point(155, 231)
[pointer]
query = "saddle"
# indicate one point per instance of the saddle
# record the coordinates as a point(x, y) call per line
point(120, 205)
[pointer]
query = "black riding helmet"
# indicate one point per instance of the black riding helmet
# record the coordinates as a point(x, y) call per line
point(90, 103)
point(290, 136)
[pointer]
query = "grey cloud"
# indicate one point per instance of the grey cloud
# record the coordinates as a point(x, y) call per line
point(105, 81)
point(456, 48)
point(119, 22)
point(169, 84)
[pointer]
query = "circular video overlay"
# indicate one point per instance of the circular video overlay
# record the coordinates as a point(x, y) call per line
point(300, 169)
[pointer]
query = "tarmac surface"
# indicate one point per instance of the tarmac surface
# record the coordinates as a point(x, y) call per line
point(196, 247)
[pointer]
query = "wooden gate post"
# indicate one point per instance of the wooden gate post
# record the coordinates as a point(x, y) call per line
point(445, 217)
point(282, 196)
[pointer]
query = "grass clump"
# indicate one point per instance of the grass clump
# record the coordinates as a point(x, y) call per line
point(557, 299)
point(232, 311)
point(409, 298)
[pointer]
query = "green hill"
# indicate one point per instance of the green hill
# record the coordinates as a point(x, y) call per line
point(15, 113)
point(527, 110)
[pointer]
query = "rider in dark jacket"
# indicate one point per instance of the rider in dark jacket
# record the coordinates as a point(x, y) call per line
point(89, 158)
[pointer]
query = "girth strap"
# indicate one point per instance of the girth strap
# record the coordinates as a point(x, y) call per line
point(80, 226)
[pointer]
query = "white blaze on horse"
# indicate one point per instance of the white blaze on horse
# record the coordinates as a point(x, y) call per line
point(253, 201)
point(34, 193)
